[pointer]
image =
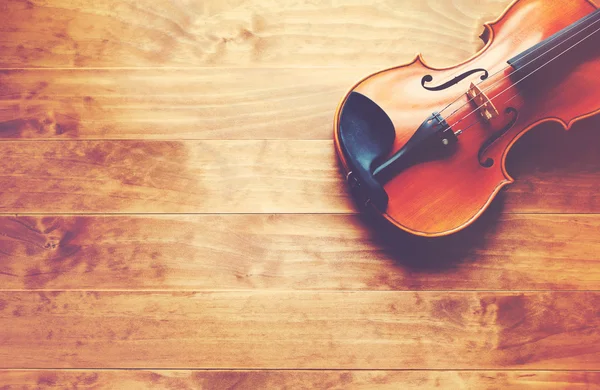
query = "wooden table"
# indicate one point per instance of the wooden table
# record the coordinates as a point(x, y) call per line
point(171, 203)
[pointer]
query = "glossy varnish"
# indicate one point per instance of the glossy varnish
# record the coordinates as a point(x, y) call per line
point(446, 195)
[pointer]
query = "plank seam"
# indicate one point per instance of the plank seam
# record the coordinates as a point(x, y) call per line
point(301, 291)
point(76, 214)
point(304, 369)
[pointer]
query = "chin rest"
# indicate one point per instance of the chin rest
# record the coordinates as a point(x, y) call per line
point(366, 136)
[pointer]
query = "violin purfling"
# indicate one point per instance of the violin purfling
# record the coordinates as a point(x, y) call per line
point(426, 148)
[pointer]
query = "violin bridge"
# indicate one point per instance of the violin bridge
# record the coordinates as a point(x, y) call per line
point(486, 108)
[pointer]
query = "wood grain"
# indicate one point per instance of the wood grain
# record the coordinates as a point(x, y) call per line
point(335, 330)
point(294, 252)
point(194, 176)
point(207, 103)
point(258, 176)
point(41, 33)
point(251, 380)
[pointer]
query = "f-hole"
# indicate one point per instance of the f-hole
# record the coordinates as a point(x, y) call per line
point(454, 81)
point(489, 162)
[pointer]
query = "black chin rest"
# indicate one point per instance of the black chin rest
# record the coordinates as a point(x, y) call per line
point(366, 135)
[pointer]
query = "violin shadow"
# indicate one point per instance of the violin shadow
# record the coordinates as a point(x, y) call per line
point(437, 254)
point(547, 150)
point(552, 149)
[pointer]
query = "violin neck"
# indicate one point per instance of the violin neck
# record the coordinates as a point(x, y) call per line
point(584, 33)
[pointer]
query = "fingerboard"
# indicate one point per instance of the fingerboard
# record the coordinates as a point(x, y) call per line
point(585, 30)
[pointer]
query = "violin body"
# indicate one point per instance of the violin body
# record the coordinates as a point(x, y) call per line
point(494, 98)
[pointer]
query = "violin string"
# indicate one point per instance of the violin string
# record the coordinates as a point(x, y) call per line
point(505, 77)
point(544, 43)
point(530, 74)
point(527, 76)
point(507, 67)
point(474, 123)
point(510, 74)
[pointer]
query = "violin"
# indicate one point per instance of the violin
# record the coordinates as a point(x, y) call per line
point(426, 147)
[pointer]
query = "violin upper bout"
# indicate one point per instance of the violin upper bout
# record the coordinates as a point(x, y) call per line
point(419, 61)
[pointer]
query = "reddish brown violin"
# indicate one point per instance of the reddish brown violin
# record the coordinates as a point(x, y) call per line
point(426, 147)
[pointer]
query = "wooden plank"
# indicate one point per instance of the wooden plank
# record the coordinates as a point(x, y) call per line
point(252, 177)
point(295, 252)
point(303, 330)
point(193, 176)
point(238, 380)
point(238, 32)
point(206, 103)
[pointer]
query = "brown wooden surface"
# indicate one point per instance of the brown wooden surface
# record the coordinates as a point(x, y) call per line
point(294, 252)
point(66, 33)
point(251, 380)
point(294, 329)
point(219, 114)
point(205, 103)
point(558, 174)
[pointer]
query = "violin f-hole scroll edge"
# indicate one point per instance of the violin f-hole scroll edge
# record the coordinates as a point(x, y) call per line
point(489, 162)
